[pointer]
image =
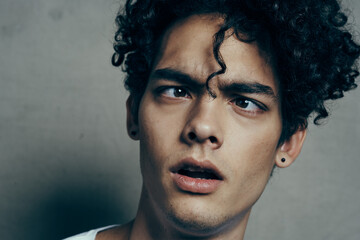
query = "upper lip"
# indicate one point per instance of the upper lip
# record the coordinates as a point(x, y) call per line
point(192, 164)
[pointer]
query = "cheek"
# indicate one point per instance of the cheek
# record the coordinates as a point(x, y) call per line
point(157, 128)
point(255, 159)
point(255, 152)
point(159, 133)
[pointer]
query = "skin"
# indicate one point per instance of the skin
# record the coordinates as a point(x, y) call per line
point(238, 132)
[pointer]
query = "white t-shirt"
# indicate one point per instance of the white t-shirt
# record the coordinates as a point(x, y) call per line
point(90, 235)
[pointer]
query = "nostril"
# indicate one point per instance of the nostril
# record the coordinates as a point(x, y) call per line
point(212, 139)
point(192, 136)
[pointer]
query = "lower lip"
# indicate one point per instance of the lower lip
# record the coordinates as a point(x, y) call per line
point(195, 185)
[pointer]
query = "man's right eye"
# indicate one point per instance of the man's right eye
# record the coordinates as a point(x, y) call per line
point(175, 92)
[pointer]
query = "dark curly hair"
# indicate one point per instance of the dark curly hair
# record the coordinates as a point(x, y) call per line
point(307, 42)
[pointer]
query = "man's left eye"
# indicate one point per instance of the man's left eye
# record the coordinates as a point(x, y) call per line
point(248, 105)
point(175, 92)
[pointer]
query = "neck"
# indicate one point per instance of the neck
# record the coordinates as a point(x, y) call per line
point(149, 224)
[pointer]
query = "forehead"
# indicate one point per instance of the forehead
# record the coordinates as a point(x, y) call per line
point(187, 46)
point(187, 35)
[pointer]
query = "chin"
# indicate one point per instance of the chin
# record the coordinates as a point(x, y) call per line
point(199, 221)
point(198, 225)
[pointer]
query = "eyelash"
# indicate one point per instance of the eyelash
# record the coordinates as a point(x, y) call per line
point(260, 107)
point(162, 90)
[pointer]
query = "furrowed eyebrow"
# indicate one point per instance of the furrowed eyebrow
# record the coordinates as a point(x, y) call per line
point(176, 76)
point(252, 88)
point(240, 87)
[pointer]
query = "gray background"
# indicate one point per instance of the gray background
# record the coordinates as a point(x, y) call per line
point(67, 165)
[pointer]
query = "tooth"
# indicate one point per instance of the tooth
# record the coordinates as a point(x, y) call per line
point(196, 170)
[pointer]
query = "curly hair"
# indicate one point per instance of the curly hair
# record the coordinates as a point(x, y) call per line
point(307, 41)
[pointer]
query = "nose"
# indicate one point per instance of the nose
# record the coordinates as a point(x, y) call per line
point(204, 125)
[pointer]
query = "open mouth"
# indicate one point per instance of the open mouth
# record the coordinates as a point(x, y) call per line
point(199, 173)
point(196, 169)
point(196, 177)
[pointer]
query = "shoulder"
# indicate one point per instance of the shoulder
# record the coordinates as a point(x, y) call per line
point(90, 235)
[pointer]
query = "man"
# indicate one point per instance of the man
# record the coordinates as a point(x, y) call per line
point(220, 94)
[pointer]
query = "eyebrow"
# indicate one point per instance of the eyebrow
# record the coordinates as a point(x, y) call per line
point(249, 87)
point(240, 87)
point(177, 76)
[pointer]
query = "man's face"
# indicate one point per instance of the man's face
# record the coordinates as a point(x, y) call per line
point(205, 161)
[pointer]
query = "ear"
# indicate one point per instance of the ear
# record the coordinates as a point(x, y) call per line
point(290, 149)
point(131, 119)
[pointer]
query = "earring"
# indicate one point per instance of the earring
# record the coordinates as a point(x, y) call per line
point(283, 160)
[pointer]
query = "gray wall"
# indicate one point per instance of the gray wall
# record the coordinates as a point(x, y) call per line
point(67, 165)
